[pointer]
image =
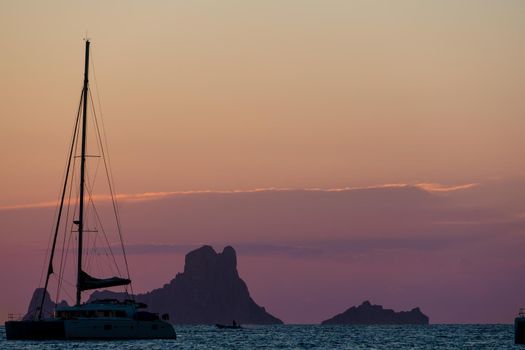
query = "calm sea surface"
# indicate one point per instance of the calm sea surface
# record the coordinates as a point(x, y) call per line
point(306, 337)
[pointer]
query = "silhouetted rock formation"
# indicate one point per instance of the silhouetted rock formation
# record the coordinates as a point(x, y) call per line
point(34, 305)
point(367, 313)
point(209, 291)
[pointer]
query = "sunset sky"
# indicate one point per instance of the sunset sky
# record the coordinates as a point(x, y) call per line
point(348, 150)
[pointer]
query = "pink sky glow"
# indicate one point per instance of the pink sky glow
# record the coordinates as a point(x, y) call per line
point(348, 150)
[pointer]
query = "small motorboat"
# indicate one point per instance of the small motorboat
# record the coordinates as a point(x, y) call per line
point(228, 326)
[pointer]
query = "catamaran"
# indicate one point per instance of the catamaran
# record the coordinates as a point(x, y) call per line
point(97, 319)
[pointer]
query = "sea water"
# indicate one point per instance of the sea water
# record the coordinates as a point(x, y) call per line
point(303, 337)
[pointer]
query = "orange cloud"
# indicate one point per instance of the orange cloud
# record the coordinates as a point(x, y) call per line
point(436, 187)
point(148, 196)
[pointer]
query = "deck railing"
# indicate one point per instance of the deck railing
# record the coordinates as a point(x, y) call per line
point(14, 317)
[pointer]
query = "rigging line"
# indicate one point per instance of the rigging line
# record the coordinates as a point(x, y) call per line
point(65, 249)
point(92, 184)
point(48, 246)
point(107, 256)
point(109, 173)
point(89, 188)
point(101, 117)
point(67, 230)
point(104, 232)
point(100, 113)
point(86, 237)
point(96, 82)
point(95, 174)
point(89, 256)
point(58, 203)
point(105, 155)
point(57, 225)
point(90, 200)
point(63, 178)
point(89, 207)
point(93, 251)
point(72, 236)
point(109, 176)
point(63, 280)
point(109, 169)
point(70, 284)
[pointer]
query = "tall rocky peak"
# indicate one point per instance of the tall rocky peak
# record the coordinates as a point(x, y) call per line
point(209, 291)
point(204, 263)
point(366, 313)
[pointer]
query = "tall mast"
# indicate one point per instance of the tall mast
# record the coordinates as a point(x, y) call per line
point(82, 172)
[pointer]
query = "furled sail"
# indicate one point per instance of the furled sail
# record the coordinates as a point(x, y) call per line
point(87, 282)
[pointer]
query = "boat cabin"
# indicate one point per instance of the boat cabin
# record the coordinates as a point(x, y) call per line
point(103, 309)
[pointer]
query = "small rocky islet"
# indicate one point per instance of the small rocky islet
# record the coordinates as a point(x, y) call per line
point(366, 313)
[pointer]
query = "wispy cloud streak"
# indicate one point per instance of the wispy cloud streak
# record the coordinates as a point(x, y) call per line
point(436, 187)
point(150, 196)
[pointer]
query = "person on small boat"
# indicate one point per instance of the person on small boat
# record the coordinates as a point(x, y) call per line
point(233, 325)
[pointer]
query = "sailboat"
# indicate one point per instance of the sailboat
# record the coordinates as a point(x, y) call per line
point(98, 319)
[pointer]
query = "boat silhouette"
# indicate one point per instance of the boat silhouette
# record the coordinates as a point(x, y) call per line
point(99, 319)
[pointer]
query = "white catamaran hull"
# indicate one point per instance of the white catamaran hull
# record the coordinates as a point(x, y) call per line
point(117, 329)
point(89, 329)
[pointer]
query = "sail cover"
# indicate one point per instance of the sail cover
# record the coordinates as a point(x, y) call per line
point(88, 282)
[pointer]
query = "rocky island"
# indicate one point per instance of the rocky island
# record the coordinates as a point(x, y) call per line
point(366, 313)
point(209, 291)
